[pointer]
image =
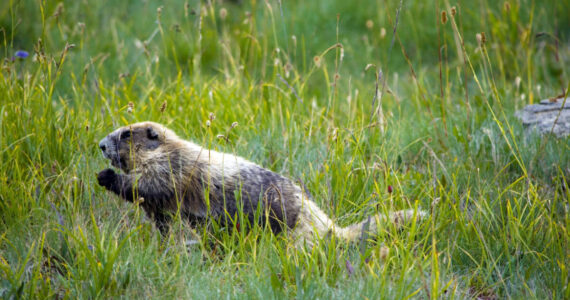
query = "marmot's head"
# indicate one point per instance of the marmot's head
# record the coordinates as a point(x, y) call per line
point(128, 146)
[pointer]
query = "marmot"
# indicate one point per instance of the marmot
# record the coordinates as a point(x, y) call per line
point(171, 175)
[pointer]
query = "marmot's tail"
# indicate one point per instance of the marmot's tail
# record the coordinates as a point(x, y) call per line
point(314, 223)
point(378, 223)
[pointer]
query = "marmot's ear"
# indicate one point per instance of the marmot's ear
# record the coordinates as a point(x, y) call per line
point(151, 133)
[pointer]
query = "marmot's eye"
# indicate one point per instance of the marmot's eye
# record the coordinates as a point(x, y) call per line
point(152, 134)
point(125, 135)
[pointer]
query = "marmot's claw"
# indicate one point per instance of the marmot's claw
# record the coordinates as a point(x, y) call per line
point(107, 178)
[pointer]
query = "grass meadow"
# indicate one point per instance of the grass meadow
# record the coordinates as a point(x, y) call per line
point(323, 92)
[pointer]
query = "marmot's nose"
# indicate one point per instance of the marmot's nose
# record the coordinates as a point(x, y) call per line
point(103, 145)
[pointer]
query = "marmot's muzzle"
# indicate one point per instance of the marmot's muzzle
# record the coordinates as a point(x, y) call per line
point(106, 145)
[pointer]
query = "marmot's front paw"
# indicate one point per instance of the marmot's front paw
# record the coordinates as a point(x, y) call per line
point(107, 178)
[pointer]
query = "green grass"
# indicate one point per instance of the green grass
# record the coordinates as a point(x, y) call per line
point(447, 142)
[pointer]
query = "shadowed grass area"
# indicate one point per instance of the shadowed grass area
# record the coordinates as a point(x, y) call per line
point(435, 130)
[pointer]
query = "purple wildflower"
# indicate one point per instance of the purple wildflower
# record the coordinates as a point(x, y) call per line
point(21, 54)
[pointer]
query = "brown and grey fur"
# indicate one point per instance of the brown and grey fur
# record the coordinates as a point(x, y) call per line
point(171, 175)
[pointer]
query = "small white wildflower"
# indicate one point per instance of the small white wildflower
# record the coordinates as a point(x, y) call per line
point(223, 13)
point(139, 44)
point(382, 32)
point(288, 67)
